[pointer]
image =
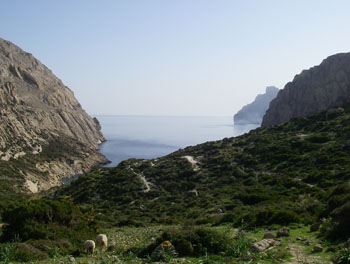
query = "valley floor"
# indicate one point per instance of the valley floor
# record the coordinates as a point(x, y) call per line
point(124, 242)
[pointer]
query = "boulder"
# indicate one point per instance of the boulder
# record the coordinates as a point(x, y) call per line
point(317, 248)
point(269, 235)
point(283, 232)
point(263, 245)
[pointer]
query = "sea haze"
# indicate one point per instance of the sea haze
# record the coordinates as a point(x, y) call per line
point(150, 137)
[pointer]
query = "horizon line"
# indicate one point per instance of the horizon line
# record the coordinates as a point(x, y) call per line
point(140, 115)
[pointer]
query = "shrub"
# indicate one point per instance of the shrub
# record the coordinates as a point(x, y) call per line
point(342, 256)
point(192, 241)
point(240, 246)
point(229, 217)
point(47, 220)
point(26, 252)
point(271, 216)
point(340, 228)
point(7, 253)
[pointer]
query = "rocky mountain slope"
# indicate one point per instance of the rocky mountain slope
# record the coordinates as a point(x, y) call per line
point(40, 121)
point(253, 113)
point(319, 88)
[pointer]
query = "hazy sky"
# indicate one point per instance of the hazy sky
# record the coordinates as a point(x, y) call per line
point(175, 57)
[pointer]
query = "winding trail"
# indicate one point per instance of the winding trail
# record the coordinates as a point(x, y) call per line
point(193, 162)
point(143, 179)
point(299, 256)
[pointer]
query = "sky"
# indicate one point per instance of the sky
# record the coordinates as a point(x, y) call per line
point(175, 57)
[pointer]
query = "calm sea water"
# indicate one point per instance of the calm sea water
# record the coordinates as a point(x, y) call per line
point(155, 136)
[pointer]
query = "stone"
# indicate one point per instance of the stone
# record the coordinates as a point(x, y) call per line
point(283, 232)
point(71, 259)
point(38, 109)
point(269, 235)
point(319, 88)
point(317, 248)
point(192, 193)
point(254, 112)
point(314, 227)
point(263, 245)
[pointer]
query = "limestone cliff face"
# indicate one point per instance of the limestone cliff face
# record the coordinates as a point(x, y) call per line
point(253, 113)
point(37, 109)
point(319, 88)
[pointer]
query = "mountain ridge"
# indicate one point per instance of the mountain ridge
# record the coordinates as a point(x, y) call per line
point(321, 87)
point(37, 109)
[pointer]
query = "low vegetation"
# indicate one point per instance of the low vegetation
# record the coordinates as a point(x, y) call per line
point(210, 210)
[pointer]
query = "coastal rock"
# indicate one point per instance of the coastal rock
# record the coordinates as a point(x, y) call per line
point(253, 113)
point(40, 117)
point(319, 88)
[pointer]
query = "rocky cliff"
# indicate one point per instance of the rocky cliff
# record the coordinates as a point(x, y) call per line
point(45, 135)
point(253, 113)
point(321, 87)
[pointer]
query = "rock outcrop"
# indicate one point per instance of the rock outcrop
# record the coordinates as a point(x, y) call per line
point(253, 113)
point(319, 88)
point(42, 124)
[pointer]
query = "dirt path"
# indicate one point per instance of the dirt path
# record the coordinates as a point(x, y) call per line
point(300, 256)
point(193, 162)
point(143, 179)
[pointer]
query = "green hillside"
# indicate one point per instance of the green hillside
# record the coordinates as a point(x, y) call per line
point(275, 175)
point(212, 201)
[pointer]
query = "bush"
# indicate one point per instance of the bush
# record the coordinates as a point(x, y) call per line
point(270, 216)
point(191, 241)
point(340, 228)
point(7, 253)
point(26, 252)
point(47, 220)
point(342, 256)
point(229, 217)
point(240, 246)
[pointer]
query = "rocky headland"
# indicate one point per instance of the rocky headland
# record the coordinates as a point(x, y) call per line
point(321, 87)
point(253, 113)
point(45, 135)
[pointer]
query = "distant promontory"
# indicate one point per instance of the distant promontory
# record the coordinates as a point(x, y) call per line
point(253, 113)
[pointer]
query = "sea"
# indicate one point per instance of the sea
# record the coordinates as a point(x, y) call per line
point(148, 137)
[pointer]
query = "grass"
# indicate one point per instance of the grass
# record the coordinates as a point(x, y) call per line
point(127, 241)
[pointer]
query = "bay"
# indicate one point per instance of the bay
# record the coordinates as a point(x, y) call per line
point(148, 137)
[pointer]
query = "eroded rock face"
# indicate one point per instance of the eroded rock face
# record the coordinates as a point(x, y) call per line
point(253, 113)
point(319, 88)
point(36, 109)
